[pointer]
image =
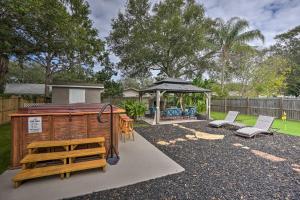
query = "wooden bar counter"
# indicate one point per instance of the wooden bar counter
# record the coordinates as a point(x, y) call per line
point(60, 122)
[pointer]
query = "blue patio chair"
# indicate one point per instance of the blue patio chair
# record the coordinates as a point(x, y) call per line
point(152, 111)
point(172, 112)
point(190, 111)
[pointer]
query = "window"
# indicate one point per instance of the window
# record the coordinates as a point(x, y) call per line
point(76, 95)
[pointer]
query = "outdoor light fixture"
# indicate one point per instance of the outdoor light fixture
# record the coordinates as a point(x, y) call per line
point(112, 156)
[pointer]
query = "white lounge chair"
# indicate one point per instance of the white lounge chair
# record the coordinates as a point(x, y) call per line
point(263, 124)
point(230, 118)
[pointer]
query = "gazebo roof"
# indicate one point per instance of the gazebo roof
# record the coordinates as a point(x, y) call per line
point(173, 80)
point(175, 86)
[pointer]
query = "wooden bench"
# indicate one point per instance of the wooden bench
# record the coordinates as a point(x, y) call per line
point(75, 142)
point(67, 157)
point(28, 174)
point(33, 158)
point(64, 143)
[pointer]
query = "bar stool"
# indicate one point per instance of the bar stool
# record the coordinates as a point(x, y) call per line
point(126, 127)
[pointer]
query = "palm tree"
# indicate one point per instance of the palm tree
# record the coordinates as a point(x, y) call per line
point(233, 36)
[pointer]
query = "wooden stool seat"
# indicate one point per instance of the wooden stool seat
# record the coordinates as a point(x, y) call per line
point(126, 127)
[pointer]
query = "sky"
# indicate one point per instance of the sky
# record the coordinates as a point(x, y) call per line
point(271, 17)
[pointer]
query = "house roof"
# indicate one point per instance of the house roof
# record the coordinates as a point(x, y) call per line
point(25, 88)
point(175, 86)
point(78, 85)
point(131, 88)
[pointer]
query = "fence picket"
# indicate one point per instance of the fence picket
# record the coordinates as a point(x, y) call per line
point(260, 106)
point(9, 105)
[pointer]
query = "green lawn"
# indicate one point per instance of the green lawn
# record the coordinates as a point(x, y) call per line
point(4, 147)
point(288, 127)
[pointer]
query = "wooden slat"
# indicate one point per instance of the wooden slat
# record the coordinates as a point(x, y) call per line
point(85, 165)
point(31, 158)
point(58, 169)
point(44, 144)
point(57, 143)
point(39, 172)
point(87, 141)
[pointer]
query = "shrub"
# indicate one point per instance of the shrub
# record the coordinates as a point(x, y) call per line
point(200, 106)
point(134, 109)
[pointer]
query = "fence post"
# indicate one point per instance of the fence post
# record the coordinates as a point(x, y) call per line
point(225, 105)
point(248, 108)
point(19, 103)
point(281, 106)
point(1, 121)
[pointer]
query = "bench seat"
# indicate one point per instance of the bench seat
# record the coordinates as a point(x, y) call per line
point(32, 158)
point(57, 169)
point(58, 143)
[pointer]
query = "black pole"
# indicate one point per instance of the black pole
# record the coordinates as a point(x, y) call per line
point(111, 131)
point(111, 160)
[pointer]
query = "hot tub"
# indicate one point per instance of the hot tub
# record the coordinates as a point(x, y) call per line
point(60, 122)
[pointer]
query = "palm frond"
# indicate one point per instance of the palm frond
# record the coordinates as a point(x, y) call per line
point(233, 20)
point(243, 48)
point(250, 35)
point(235, 29)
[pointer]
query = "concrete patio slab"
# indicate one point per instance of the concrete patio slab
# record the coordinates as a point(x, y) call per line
point(140, 161)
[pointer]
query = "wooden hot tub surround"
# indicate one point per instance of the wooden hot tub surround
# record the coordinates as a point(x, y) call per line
point(61, 122)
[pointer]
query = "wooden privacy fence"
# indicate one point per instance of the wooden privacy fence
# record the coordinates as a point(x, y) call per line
point(9, 105)
point(260, 106)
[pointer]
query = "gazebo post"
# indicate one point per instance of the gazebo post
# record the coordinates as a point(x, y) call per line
point(208, 101)
point(140, 96)
point(157, 106)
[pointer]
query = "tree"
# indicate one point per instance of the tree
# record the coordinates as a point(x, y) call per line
point(270, 76)
point(244, 68)
point(26, 73)
point(15, 38)
point(137, 82)
point(111, 87)
point(232, 36)
point(288, 45)
point(76, 74)
point(174, 39)
point(60, 32)
point(67, 36)
point(129, 36)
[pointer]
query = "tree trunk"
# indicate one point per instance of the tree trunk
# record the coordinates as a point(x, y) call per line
point(48, 77)
point(3, 71)
point(222, 77)
point(224, 63)
point(224, 66)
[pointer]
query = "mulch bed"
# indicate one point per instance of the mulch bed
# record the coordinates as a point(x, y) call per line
point(217, 169)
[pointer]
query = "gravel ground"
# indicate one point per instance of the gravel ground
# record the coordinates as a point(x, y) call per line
point(216, 169)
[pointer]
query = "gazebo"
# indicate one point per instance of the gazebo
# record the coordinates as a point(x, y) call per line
point(174, 85)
